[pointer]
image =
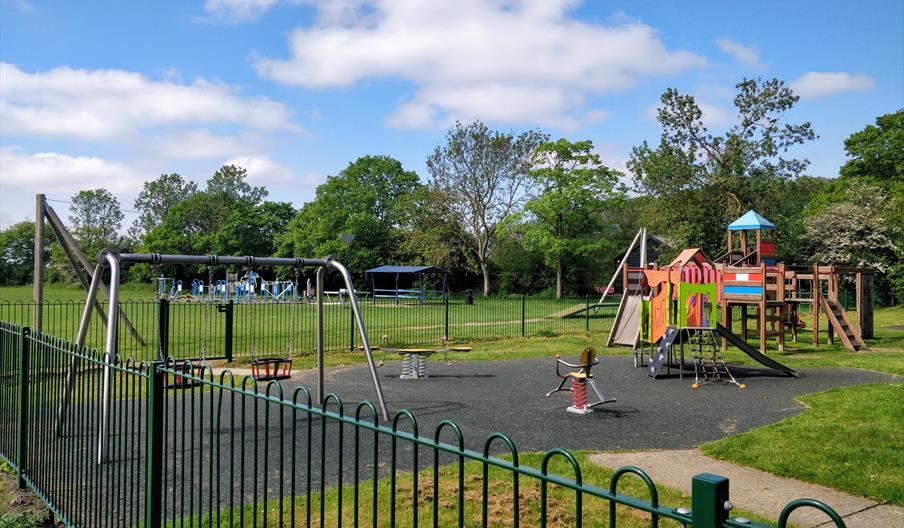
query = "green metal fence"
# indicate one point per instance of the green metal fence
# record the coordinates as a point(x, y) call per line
point(227, 330)
point(223, 451)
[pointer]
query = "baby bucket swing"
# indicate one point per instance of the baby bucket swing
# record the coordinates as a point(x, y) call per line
point(274, 368)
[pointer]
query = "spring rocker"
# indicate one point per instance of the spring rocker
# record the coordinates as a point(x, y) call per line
point(414, 360)
point(579, 381)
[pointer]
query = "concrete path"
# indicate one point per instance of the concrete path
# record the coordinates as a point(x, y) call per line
point(755, 490)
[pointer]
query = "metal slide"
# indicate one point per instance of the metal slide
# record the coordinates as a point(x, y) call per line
point(752, 352)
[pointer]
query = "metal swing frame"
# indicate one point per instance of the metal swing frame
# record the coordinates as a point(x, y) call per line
point(111, 259)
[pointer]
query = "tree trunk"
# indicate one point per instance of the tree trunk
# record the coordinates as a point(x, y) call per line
point(559, 268)
point(486, 278)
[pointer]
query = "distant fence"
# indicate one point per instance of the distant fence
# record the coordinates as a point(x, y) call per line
point(230, 452)
point(217, 330)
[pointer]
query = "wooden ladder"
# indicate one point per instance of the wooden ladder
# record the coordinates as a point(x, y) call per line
point(849, 336)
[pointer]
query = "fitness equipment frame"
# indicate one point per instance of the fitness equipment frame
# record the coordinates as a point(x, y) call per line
point(109, 258)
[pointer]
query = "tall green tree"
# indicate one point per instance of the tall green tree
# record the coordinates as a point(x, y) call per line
point(253, 230)
point(706, 180)
point(157, 197)
point(564, 217)
point(17, 252)
point(485, 175)
point(368, 199)
point(95, 218)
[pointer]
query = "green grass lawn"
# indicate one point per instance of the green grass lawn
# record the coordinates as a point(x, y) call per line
point(405, 325)
point(851, 439)
point(560, 502)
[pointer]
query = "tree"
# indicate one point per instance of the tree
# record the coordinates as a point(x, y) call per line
point(706, 180)
point(572, 185)
point(432, 235)
point(228, 183)
point(17, 252)
point(157, 197)
point(855, 231)
point(877, 152)
point(485, 175)
point(253, 230)
point(368, 199)
point(95, 217)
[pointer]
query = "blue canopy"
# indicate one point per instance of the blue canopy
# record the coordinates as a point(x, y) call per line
point(751, 220)
point(406, 269)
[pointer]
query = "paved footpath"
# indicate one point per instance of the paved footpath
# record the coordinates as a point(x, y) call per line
point(755, 490)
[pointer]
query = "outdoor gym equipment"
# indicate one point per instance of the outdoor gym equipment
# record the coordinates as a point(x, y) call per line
point(414, 360)
point(189, 372)
point(111, 259)
point(273, 368)
point(579, 380)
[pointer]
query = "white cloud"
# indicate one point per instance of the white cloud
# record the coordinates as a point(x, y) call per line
point(115, 104)
point(743, 54)
point(201, 144)
point(60, 173)
point(262, 170)
point(519, 62)
point(238, 10)
point(818, 84)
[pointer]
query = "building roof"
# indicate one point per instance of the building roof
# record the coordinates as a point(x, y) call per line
point(688, 255)
point(751, 220)
point(407, 269)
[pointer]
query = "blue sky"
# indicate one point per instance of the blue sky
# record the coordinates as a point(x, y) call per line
point(110, 94)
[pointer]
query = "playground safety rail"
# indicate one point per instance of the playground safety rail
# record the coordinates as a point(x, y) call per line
point(230, 451)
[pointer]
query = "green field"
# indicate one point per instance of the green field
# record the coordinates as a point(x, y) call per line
point(487, 319)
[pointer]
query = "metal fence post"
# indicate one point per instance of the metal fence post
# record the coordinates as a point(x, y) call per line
point(230, 327)
point(709, 500)
point(155, 402)
point(587, 313)
point(351, 328)
point(446, 316)
point(22, 417)
point(523, 312)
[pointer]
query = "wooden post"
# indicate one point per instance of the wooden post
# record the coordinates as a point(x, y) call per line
point(759, 239)
point(763, 324)
point(726, 321)
point(744, 321)
point(39, 264)
point(814, 303)
point(743, 262)
point(864, 294)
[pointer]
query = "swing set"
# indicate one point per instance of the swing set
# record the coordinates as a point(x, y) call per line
point(266, 369)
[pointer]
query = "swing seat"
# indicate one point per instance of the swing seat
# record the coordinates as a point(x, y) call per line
point(270, 369)
point(177, 381)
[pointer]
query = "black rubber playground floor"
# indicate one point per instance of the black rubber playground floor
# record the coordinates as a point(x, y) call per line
point(510, 397)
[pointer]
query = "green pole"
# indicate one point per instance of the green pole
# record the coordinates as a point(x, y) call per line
point(523, 313)
point(446, 316)
point(154, 493)
point(709, 500)
point(22, 428)
point(351, 328)
point(587, 313)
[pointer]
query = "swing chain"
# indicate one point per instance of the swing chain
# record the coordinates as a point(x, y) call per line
point(207, 314)
point(250, 297)
point(292, 316)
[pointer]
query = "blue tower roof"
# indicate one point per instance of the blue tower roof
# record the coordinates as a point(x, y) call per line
point(751, 220)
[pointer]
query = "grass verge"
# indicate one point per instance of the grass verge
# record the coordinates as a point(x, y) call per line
point(850, 439)
point(500, 500)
